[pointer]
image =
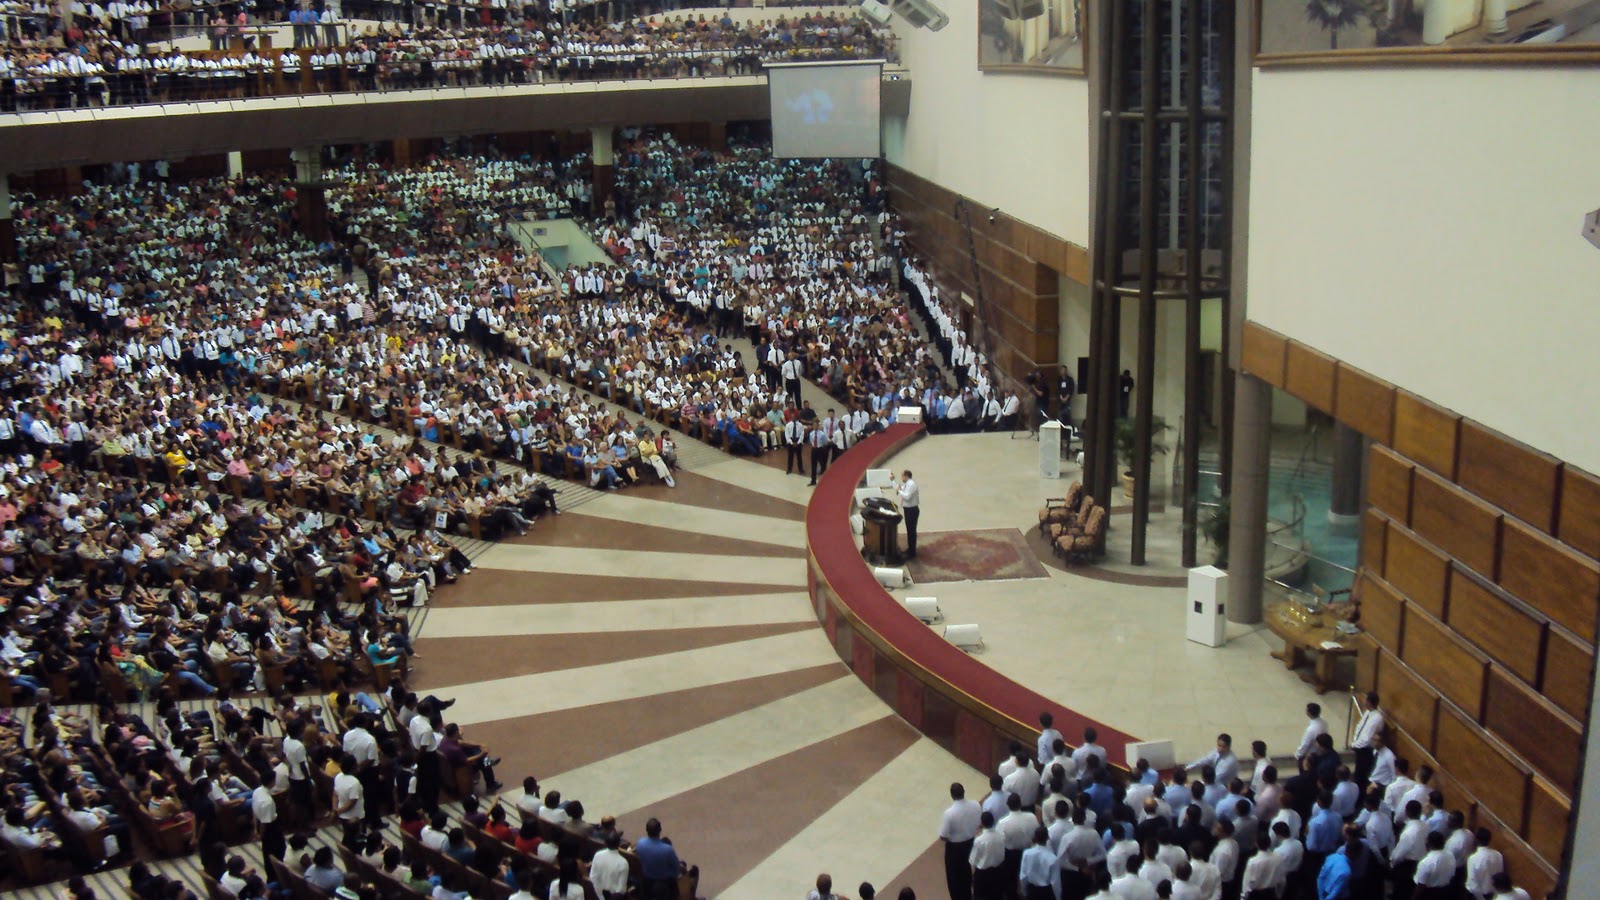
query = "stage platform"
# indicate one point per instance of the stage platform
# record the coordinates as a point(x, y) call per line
point(1106, 642)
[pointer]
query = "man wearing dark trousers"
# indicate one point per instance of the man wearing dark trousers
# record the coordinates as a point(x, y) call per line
point(821, 449)
point(911, 508)
point(794, 443)
point(958, 830)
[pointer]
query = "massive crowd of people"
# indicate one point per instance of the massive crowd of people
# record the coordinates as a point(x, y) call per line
point(229, 462)
point(106, 58)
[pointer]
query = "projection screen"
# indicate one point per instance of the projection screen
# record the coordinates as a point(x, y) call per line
point(826, 110)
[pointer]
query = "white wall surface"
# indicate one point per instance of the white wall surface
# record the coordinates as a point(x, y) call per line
point(1423, 224)
point(1016, 142)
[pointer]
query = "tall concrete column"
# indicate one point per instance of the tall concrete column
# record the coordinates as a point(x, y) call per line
point(1349, 447)
point(8, 232)
point(605, 172)
point(1247, 524)
point(402, 152)
point(235, 164)
point(310, 191)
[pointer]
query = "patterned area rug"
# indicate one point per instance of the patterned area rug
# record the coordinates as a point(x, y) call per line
point(991, 554)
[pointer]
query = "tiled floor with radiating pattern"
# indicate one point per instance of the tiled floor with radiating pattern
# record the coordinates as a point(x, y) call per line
point(653, 653)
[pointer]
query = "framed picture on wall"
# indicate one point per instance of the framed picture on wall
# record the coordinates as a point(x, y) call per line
point(1342, 32)
point(1041, 36)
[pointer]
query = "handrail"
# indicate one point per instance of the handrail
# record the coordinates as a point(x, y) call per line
point(1309, 555)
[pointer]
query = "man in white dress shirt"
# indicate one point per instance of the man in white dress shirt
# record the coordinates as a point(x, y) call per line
point(911, 508)
point(1435, 871)
point(958, 830)
point(1483, 865)
point(1261, 872)
point(609, 869)
point(1131, 885)
point(1367, 727)
point(1048, 735)
point(1314, 726)
point(987, 859)
point(1221, 760)
point(264, 809)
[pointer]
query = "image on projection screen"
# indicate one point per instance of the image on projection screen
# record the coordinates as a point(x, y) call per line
point(827, 110)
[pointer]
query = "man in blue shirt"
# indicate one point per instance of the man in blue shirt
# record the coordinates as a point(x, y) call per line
point(658, 862)
point(1324, 834)
point(1333, 882)
point(1039, 877)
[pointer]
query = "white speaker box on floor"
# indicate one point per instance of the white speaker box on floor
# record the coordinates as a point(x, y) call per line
point(908, 414)
point(865, 494)
point(1159, 754)
point(891, 577)
point(967, 637)
point(880, 478)
point(924, 608)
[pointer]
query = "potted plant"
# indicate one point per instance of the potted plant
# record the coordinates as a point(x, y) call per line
point(1213, 522)
point(1125, 444)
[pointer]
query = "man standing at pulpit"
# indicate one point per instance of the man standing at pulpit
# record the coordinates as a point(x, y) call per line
point(910, 507)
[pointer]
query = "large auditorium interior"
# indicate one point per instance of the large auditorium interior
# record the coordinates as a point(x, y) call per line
point(478, 449)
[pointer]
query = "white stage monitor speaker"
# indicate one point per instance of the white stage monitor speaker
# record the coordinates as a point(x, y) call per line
point(967, 637)
point(891, 577)
point(908, 414)
point(865, 494)
point(924, 608)
point(877, 11)
point(1159, 754)
point(880, 478)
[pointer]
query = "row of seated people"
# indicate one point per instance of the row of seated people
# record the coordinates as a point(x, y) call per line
point(1057, 820)
point(95, 68)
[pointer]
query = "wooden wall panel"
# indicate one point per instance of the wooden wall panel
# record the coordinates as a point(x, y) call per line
point(1446, 662)
point(1312, 376)
point(1548, 739)
point(1481, 766)
point(1389, 478)
point(1382, 613)
point(1264, 354)
point(1530, 871)
point(1407, 699)
point(1367, 651)
point(1552, 578)
point(1365, 403)
point(1416, 570)
point(1499, 627)
point(1426, 432)
point(1567, 676)
point(1512, 476)
point(1579, 520)
point(1374, 535)
point(1548, 814)
point(1458, 523)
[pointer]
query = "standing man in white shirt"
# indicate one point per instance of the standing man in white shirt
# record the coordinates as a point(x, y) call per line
point(1483, 865)
point(958, 830)
point(264, 808)
point(1222, 761)
point(1435, 871)
point(608, 872)
point(1314, 726)
point(987, 860)
point(349, 800)
point(1048, 735)
point(911, 508)
point(294, 756)
point(1367, 728)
